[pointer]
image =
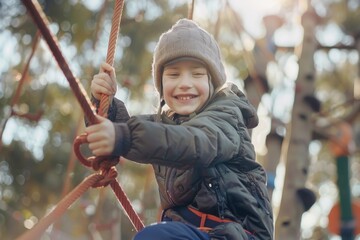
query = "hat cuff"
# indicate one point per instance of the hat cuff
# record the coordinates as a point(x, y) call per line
point(183, 59)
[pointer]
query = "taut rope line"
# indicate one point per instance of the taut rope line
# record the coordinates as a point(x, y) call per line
point(114, 33)
point(40, 20)
point(100, 163)
point(63, 205)
point(106, 166)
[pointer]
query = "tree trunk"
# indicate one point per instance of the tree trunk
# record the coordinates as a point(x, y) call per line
point(273, 145)
point(296, 199)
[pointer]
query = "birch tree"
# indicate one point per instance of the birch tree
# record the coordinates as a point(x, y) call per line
point(296, 198)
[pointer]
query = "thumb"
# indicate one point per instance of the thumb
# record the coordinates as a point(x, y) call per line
point(105, 67)
point(100, 119)
point(96, 126)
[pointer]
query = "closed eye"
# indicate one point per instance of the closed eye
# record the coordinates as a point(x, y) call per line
point(199, 74)
point(172, 75)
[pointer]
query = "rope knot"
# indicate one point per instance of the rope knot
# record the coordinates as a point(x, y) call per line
point(96, 163)
point(109, 175)
point(103, 162)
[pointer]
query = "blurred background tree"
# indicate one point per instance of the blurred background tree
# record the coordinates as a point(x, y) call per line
point(261, 45)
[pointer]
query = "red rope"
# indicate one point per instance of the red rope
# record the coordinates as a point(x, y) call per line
point(114, 33)
point(25, 70)
point(103, 109)
point(19, 88)
point(105, 165)
point(125, 203)
point(40, 20)
point(61, 207)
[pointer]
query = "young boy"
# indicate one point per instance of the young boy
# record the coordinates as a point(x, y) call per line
point(209, 183)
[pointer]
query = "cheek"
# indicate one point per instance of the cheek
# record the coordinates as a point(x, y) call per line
point(166, 87)
point(167, 90)
point(204, 88)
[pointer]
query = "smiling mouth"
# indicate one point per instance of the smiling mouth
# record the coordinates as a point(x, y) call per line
point(184, 98)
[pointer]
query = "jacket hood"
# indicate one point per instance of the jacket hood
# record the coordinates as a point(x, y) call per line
point(249, 112)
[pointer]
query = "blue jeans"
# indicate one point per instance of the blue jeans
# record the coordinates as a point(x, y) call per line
point(171, 231)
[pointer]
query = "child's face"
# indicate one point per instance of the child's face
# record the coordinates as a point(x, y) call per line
point(186, 86)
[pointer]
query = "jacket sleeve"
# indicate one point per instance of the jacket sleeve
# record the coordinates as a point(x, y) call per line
point(117, 111)
point(216, 134)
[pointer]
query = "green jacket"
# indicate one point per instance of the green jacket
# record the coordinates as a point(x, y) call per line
point(215, 170)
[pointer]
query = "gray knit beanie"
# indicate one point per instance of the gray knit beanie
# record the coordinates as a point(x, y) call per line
point(187, 40)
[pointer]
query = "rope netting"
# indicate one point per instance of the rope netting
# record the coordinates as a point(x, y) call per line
point(105, 166)
point(16, 96)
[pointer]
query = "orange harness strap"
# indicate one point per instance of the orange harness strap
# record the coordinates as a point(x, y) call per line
point(204, 217)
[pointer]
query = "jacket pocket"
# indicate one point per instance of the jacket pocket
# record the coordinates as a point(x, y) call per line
point(182, 185)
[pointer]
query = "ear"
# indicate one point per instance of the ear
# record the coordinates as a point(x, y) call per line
point(162, 102)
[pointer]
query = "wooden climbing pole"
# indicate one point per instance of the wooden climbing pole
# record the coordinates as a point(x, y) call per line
point(191, 9)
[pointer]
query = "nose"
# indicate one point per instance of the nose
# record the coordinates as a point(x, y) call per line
point(185, 81)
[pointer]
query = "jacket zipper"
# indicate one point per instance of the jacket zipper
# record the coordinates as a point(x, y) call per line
point(255, 193)
point(220, 201)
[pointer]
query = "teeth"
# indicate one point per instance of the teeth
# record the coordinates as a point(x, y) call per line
point(184, 98)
